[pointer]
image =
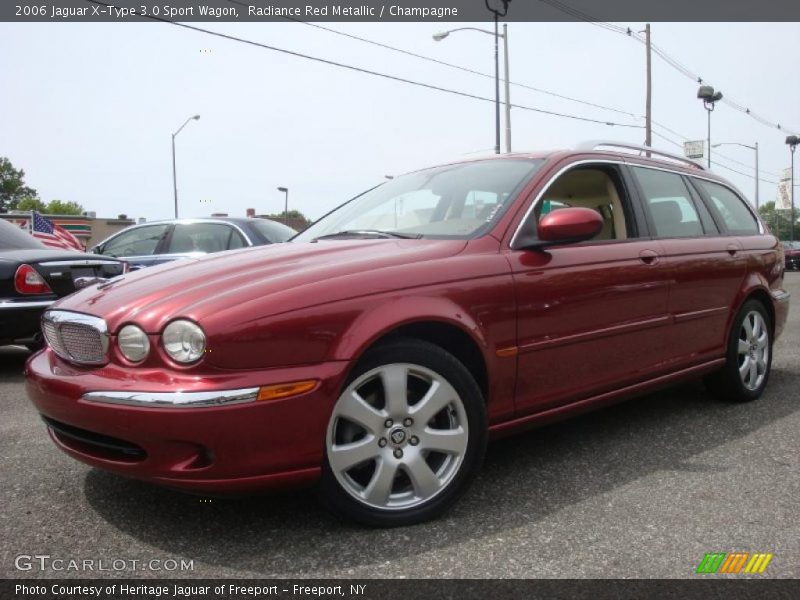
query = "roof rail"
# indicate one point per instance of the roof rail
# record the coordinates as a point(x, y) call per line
point(594, 144)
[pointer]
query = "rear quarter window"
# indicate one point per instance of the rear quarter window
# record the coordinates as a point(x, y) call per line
point(733, 210)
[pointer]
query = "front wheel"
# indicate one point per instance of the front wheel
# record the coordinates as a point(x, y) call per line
point(749, 356)
point(406, 436)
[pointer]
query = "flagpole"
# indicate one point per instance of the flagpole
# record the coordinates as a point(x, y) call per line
point(30, 223)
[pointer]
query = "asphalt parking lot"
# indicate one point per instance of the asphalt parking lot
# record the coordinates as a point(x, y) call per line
point(642, 489)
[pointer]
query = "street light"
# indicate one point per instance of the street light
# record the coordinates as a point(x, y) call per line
point(285, 204)
point(792, 141)
point(709, 97)
point(174, 175)
point(755, 148)
point(497, 35)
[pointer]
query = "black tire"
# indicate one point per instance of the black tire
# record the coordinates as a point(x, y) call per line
point(727, 383)
point(445, 365)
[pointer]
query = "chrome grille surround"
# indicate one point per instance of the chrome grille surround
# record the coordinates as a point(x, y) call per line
point(76, 337)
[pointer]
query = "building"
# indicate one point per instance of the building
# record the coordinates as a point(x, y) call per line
point(89, 229)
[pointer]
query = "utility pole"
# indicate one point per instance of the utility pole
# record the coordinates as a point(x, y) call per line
point(496, 84)
point(648, 140)
point(508, 93)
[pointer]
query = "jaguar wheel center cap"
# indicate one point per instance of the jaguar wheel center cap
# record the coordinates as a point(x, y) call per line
point(398, 436)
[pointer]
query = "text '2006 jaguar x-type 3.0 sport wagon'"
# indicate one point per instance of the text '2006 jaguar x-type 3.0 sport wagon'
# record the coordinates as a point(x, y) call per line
point(376, 352)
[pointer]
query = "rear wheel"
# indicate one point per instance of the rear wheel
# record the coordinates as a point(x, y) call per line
point(406, 436)
point(749, 356)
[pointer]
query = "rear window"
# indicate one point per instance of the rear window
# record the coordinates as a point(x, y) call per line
point(272, 231)
point(738, 218)
point(15, 238)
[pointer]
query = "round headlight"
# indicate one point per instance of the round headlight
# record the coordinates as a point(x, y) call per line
point(133, 343)
point(184, 341)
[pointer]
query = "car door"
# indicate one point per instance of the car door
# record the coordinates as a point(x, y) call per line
point(138, 246)
point(706, 265)
point(591, 316)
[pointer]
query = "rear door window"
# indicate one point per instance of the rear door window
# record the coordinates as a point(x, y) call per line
point(201, 237)
point(141, 241)
point(668, 201)
point(733, 210)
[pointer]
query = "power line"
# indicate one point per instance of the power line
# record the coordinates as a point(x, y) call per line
point(714, 162)
point(374, 73)
point(661, 53)
point(460, 67)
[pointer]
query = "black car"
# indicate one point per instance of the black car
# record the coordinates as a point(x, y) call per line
point(33, 276)
point(162, 241)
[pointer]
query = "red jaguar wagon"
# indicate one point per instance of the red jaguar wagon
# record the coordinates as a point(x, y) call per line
point(378, 351)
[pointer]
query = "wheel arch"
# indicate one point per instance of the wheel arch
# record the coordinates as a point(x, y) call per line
point(437, 321)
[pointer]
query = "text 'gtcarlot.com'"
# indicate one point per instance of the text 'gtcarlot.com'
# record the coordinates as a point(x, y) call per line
point(46, 562)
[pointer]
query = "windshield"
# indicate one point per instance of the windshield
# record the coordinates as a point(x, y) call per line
point(454, 201)
point(15, 238)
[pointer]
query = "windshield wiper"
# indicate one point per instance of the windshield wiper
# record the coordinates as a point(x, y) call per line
point(369, 233)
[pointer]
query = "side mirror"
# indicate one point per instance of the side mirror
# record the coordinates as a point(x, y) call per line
point(563, 226)
point(97, 249)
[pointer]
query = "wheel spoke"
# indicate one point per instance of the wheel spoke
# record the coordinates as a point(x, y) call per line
point(753, 373)
point(395, 387)
point(744, 347)
point(450, 441)
point(745, 367)
point(422, 477)
point(343, 457)
point(380, 486)
point(748, 327)
point(355, 408)
point(756, 326)
point(762, 340)
point(436, 398)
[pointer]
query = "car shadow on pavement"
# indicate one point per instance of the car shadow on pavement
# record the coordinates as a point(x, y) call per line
point(523, 480)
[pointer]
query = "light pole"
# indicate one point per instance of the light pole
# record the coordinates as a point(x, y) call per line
point(497, 35)
point(709, 97)
point(792, 141)
point(174, 175)
point(754, 148)
point(285, 204)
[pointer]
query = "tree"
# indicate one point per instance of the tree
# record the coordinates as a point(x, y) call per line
point(59, 207)
point(12, 186)
point(778, 221)
point(31, 203)
point(295, 219)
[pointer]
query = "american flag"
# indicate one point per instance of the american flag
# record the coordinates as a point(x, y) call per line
point(53, 235)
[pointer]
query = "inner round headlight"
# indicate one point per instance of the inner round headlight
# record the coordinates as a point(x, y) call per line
point(133, 343)
point(184, 341)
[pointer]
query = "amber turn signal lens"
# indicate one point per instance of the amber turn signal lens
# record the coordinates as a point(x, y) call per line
point(285, 390)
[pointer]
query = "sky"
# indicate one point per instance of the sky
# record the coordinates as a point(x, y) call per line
point(87, 110)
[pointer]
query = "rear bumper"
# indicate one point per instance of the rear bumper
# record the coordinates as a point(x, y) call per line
point(240, 446)
point(19, 319)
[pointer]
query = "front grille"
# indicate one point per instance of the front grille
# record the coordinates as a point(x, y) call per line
point(95, 444)
point(76, 337)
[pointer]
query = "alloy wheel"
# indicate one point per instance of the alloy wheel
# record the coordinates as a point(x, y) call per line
point(397, 436)
point(753, 350)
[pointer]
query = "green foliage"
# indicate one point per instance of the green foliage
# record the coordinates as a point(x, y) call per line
point(295, 217)
point(32, 203)
point(59, 207)
point(779, 221)
point(12, 186)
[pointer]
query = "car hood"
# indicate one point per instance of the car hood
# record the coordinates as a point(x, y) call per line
point(257, 282)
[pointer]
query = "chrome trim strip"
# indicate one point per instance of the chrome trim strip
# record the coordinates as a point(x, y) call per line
point(79, 263)
point(175, 399)
point(699, 175)
point(25, 304)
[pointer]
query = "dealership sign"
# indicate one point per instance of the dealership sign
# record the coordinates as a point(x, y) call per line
point(694, 149)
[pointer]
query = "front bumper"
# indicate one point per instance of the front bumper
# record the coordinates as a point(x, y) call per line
point(238, 446)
